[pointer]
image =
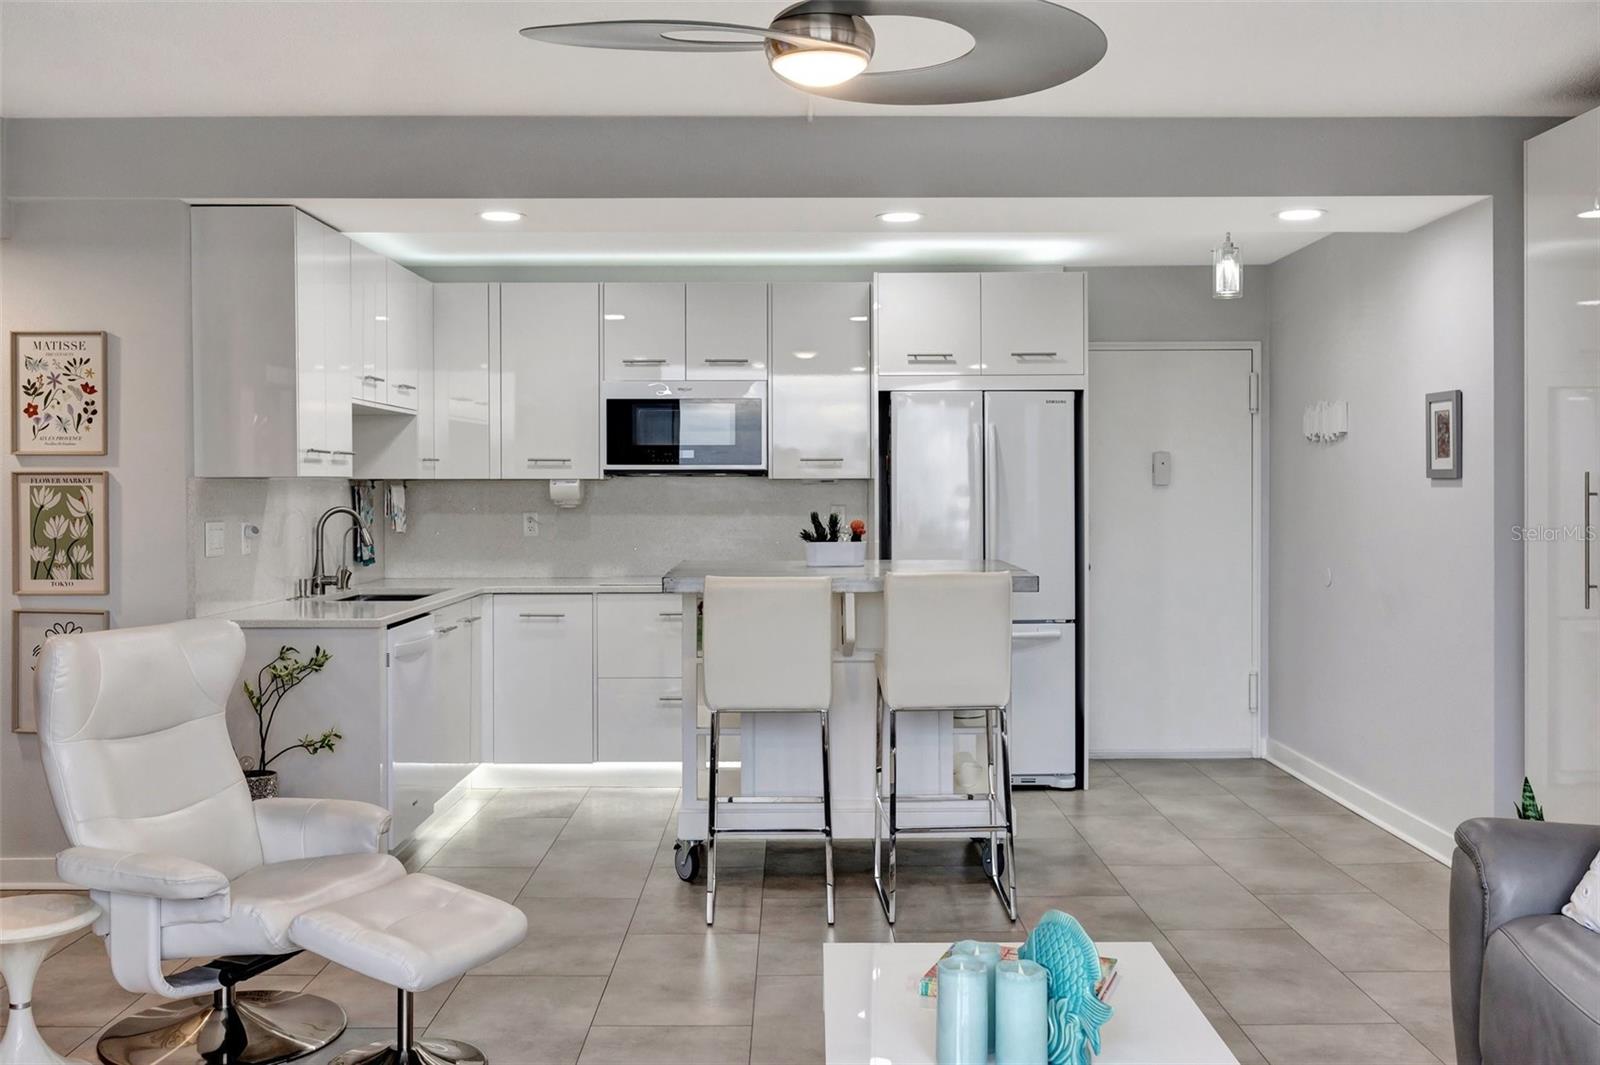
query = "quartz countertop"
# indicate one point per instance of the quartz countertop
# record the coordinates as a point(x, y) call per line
point(336, 611)
point(690, 577)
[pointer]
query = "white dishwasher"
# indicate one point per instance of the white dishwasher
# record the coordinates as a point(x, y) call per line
point(421, 751)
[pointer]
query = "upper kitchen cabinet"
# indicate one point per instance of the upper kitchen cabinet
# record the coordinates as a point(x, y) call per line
point(404, 296)
point(273, 357)
point(394, 444)
point(550, 380)
point(928, 323)
point(725, 333)
point(369, 325)
point(464, 350)
point(821, 416)
point(644, 324)
point(1033, 323)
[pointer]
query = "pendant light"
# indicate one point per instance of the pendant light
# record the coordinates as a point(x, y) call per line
point(1227, 270)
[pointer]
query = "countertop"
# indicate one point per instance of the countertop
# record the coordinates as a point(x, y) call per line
point(690, 577)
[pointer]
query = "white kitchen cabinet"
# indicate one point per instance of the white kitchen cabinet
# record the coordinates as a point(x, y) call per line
point(639, 635)
point(821, 415)
point(465, 334)
point(928, 323)
point(369, 325)
point(543, 678)
point(403, 355)
point(644, 331)
point(550, 380)
point(391, 443)
point(1034, 323)
point(725, 330)
point(639, 720)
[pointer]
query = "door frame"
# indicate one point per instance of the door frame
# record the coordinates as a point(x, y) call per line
point(1258, 501)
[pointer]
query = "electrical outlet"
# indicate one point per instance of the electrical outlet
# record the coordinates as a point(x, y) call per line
point(530, 524)
point(215, 545)
point(248, 534)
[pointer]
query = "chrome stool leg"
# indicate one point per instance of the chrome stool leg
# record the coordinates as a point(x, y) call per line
point(1010, 812)
point(877, 800)
point(711, 826)
point(248, 1027)
point(827, 813)
point(887, 898)
point(407, 1049)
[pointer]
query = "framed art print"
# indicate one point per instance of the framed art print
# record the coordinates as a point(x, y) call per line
point(1444, 435)
point(58, 393)
point(29, 630)
point(59, 535)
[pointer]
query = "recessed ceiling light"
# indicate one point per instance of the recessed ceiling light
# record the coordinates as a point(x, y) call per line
point(1593, 213)
point(805, 354)
point(858, 369)
point(615, 317)
point(500, 215)
point(859, 318)
point(380, 318)
point(900, 217)
point(1300, 214)
point(1589, 303)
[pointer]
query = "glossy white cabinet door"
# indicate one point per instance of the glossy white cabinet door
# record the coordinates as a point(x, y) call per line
point(639, 720)
point(403, 359)
point(312, 291)
point(927, 323)
point(640, 635)
point(550, 380)
point(543, 678)
point(427, 449)
point(449, 730)
point(461, 329)
point(368, 322)
point(339, 355)
point(821, 416)
point(644, 331)
point(1033, 323)
point(725, 330)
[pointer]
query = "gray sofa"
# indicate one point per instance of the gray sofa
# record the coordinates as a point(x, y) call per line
point(1524, 981)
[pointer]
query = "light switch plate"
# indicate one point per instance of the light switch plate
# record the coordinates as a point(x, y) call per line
point(215, 545)
point(530, 524)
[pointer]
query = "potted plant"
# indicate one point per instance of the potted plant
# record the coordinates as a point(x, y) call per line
point(826, 545)
point(277, 679)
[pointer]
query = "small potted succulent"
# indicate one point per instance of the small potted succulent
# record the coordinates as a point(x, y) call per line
point(832, 545)
point(277, 679)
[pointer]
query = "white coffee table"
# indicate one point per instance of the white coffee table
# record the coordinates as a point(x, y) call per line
point(29, 925)
point(874, 1015)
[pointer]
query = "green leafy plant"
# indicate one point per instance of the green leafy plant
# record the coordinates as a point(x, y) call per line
point(833, 531)
point(277, 679)
point(1529, 809)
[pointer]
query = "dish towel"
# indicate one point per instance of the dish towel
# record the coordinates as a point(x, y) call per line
point(361, 501)
point(394, 505)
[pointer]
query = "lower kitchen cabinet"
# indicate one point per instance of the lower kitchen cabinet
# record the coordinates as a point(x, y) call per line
point(640, 720)
point(543, 678)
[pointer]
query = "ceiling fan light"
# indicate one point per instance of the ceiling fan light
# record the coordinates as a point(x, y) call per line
point(819, 51)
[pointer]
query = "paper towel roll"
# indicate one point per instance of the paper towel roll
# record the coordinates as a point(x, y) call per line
point(566, 493)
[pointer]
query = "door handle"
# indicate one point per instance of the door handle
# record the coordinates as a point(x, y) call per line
point(1037, 634)
point(991, 490)
point(1589, 495)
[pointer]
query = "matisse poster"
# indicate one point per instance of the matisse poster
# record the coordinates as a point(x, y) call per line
point(58, 393)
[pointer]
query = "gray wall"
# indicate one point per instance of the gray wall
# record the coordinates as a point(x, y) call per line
point(1389, 677)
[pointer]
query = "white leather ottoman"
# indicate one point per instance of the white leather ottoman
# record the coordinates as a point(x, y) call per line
point(415, 933)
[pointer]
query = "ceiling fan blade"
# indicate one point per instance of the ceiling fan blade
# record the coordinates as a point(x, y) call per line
point(654, 35)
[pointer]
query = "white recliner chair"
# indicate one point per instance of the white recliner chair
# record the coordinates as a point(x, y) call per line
point(133, 729)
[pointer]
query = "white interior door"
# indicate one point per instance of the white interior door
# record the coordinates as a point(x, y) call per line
point(1170, 574)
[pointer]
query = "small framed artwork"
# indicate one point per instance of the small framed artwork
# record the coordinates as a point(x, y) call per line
point(1444, 435)
point(60, 533)
point(29, 630)
point(58, 393)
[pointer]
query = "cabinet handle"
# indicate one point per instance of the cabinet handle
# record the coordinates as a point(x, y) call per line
point(726, 362)
point(318, 451)
point(551, 462)
point(372, 377)
point(669, 698)
point(1033, 355)
point(828, 461)
point(406, 388)
point(932, 356)
point(644, 362)
point(428, 460)
point(351, 454)
point(1589, 496)
point(446, 628)
point(542, 617)
point(669, 614)
point(469, 621)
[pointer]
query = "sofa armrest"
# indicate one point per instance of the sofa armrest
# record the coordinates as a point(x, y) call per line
point(316, 828)
point(158, 876)
point(1504, 869)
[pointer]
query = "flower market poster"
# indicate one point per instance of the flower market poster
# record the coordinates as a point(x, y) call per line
point(61, 537)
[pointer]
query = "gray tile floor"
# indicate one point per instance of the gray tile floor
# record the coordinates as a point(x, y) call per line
point(1305, 933)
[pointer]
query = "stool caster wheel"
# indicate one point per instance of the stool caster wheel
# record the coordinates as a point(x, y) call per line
point(686, 859)
point(986, 854)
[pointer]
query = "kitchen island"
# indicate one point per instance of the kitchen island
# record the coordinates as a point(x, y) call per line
point(777, 754)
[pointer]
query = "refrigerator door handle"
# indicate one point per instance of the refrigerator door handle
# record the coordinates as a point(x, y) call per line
point(1036, 634)
point(991, 511)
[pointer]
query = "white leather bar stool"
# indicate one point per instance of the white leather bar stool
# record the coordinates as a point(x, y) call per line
point(946, 647)
point(768, 649)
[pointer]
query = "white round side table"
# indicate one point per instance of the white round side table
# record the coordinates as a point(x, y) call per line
point(29, 924)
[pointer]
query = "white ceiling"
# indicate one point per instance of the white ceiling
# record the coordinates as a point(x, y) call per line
point(438, 57)
point(1001, 231)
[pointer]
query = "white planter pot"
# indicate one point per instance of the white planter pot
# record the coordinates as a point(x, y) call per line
point(842, 553)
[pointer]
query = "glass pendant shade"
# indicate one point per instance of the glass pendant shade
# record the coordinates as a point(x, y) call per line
point(1227, 270)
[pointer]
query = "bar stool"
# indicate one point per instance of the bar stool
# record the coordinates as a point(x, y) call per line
point(946, 647)
point(768, 649)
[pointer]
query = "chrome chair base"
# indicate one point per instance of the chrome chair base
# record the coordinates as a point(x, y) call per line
point(236, 1028)
point(420, 1052)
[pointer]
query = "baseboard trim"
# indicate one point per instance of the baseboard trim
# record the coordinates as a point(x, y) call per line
point(1432, 840)
point(1167, 752)
point(29, 874)
point(578, 775)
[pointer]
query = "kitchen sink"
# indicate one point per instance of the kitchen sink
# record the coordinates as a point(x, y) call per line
point(385, 597)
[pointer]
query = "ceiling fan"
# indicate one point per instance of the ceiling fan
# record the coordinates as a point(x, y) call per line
point(825, 46)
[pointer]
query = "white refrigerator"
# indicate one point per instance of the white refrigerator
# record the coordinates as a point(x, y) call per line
point(995, 475)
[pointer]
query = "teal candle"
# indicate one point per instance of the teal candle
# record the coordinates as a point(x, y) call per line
point(963, 1010)
point(989, 954)
point(1022, 991)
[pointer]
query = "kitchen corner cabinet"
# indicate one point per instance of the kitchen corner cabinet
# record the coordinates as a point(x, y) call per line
point(404, 293)
point(271, 333)
point(369, 325)
point(643, 330)
point(1033, 323)
point(725, 331)
point(549, 380)
point(465, 346)
point(928, 323)
point(821, 411)
point(543, 678)
point(392, 444)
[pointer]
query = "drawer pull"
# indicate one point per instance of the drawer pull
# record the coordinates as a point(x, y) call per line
point(318, 451)
point(446, 628)
point(542, 617)
point(427, 460)
point(1033, 355)
point(406, 388)
point(824, 461)
point(726, 362)
point(469, 621)
point(374, 378)
point(671, 614)
point(550, 462)
point(644, 362)
point(669, 698)
point(930, 356)
point(351, 454)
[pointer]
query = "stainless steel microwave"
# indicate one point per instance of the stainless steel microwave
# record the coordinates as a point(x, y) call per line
point(685, 427)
